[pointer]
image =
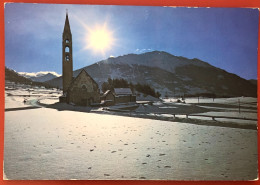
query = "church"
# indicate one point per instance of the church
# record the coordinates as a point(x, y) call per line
point(81, 90)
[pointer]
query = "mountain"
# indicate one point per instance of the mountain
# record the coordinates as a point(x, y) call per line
point(158, 59)
point(41, 76)
point(44, 78)
point(170, 75)
point(13, 76)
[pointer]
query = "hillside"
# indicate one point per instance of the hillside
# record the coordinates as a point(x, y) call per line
point(11, 75)
point(169, 75)
point(42, 76)
point(253, 81)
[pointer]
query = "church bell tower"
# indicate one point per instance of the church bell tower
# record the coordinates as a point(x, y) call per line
point(67, 62)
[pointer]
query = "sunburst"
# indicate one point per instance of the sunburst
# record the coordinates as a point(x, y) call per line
point(99, 39)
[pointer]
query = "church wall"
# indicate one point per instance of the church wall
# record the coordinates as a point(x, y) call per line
point(83, 91)
point(85, 80)
point(82, 97)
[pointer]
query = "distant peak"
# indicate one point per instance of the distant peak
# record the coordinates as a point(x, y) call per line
point(40, 73)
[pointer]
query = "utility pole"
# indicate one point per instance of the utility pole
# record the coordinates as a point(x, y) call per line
point(239, 106)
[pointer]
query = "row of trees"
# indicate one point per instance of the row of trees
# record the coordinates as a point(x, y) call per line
point(122, 83)
point(147, 89)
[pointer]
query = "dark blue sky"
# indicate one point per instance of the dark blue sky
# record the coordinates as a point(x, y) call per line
point(224, 37)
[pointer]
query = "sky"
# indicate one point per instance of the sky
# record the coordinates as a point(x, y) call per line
point(224, 37)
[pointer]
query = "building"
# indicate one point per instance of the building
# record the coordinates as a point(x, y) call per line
point(67, 59)
point(108, 98)
point(124, 95)
point(81, 90)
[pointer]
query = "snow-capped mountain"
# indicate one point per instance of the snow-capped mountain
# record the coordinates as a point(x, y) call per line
point(41, 76)
point(13, 76)
point(170, 75)
point(158, 59)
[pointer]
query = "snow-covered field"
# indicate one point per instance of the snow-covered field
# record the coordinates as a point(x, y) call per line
point(15, 98)
point(48, 143)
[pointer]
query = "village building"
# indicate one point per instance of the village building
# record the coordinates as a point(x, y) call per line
point(124, 95)
point(81, 90)
point(108, 98)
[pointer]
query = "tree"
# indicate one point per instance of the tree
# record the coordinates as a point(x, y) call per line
point(106, 86)
point(122, 83)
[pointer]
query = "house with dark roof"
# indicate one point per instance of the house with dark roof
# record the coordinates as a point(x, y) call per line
point(124, 95)
point(123, 91)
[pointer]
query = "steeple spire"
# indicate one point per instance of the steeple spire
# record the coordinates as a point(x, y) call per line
point(67, 24)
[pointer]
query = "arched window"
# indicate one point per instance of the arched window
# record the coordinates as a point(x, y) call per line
point(67, 41)
point(67, 49)
point(84, 87)
point(67, 58)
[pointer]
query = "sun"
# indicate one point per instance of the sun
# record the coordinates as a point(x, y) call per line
point(99, 39)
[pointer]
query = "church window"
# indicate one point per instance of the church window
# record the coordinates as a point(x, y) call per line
point(67, 49)
point(67, 58)
point(84, 87)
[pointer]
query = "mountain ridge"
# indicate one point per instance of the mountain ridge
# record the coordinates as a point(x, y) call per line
point(169, 74)
point(41, 76)
point(13, 76)
point(160, 59)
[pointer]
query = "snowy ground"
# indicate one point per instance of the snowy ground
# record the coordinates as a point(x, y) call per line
point(61, 142)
